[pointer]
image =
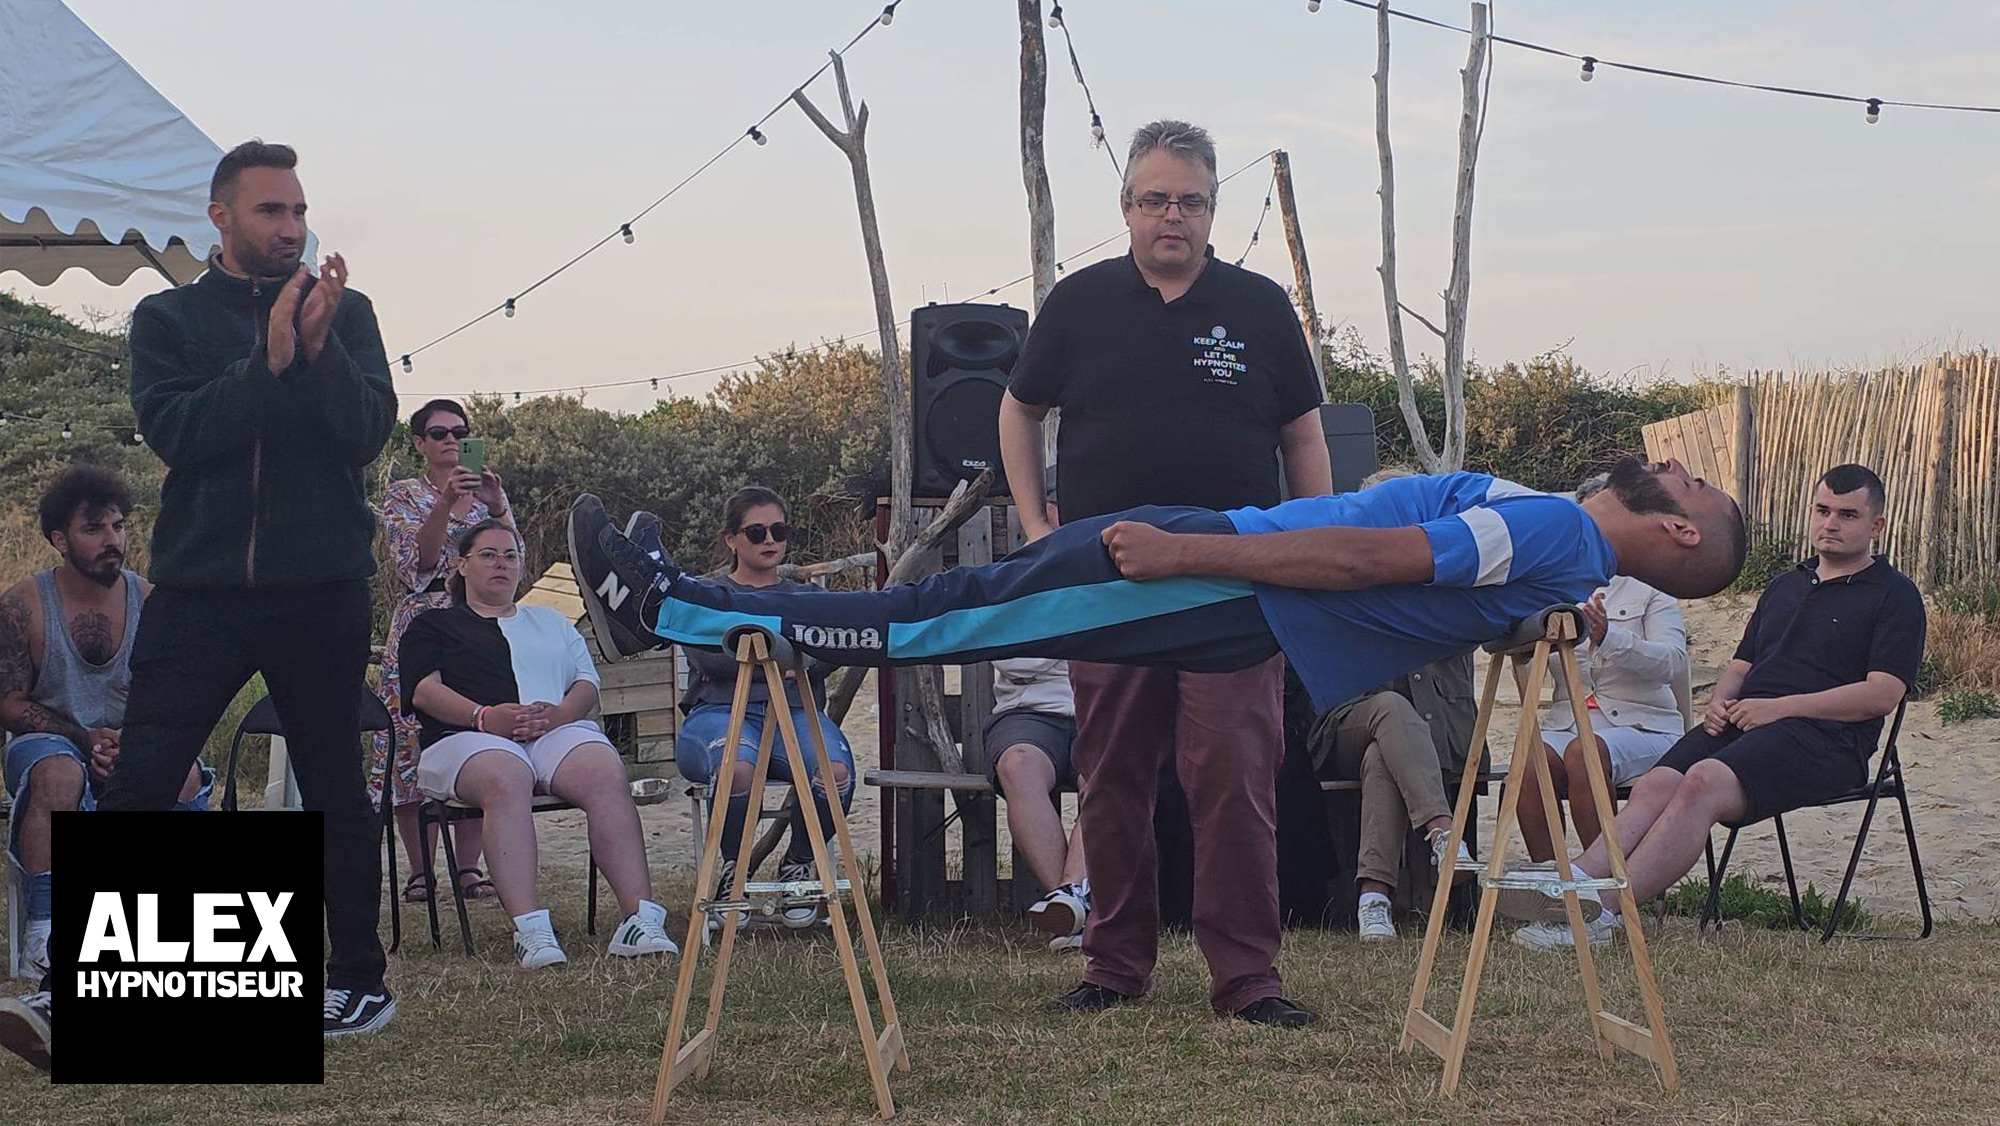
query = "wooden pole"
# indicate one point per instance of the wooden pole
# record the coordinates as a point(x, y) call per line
point(1934, 506)
point(1399, 356)
point(1295, 241)
point(1035, 176)
point(1746, 453)
point(1471, 123)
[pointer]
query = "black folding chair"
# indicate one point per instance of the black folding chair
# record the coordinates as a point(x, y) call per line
point(1888, 782)
point(262, 719)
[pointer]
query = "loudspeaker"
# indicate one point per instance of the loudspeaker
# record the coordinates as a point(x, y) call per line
point(1350, 443)
point(962, 356)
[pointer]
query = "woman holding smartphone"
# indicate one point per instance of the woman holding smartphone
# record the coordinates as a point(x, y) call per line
point(424, 518)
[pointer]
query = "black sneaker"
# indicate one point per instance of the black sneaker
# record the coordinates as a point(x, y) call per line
point(1088, 998)
point(643, 529)
point(1275, 1011)
point(351, 1012)
point(615, 579)
point(24, 1028)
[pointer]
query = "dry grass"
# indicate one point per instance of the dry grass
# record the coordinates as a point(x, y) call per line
point(1769, 1028)
point(1965, 649)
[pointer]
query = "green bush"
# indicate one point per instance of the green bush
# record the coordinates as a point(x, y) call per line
point(1764, 907)
point(1967, 703)
point(1766, 560)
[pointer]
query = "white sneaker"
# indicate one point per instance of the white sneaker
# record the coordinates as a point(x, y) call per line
point(1063, 911)
point(644, 933)
point(1465, 867)
point(1064, 942)
point(1556, 936)
point(1376, 926)
point(535, 941)
point(1545, 905)
point(799, 916)
point(35, 951)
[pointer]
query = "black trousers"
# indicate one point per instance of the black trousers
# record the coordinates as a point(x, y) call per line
point(194, 651)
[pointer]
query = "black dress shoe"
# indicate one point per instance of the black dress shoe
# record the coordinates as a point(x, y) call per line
point(1275, 1011)
point(1087, 998)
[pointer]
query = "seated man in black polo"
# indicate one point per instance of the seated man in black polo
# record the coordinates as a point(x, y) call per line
point(1832, 647)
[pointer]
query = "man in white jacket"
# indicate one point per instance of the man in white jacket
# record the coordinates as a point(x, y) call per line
point(1635, 655)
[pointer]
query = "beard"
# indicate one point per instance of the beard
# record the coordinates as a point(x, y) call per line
point(103, 570)
point(1640, 491)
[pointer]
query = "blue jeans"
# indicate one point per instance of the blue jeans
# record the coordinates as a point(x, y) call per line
point(24, 752)
point(699, 748)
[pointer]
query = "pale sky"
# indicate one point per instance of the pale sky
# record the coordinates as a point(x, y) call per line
point(455, 150)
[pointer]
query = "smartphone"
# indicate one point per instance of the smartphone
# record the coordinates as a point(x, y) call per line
point(472, 454)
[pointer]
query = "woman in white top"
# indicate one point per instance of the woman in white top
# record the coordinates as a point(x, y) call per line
point(503, 695)
point(1634, 655)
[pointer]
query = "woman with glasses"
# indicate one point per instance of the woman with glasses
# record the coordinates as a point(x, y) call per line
point(424, 517)
point(502, 694)
point(754, 537)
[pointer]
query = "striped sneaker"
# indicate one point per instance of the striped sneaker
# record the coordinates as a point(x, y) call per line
point(535, 941)
point(644, 933)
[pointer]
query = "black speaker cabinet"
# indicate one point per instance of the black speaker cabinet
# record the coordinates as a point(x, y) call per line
point(1350, 443)
point(962, 356)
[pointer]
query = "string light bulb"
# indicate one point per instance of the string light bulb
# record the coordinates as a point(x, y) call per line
point(117, 363)
point(1312, 5)
point(67, 431)
point(1055, 16)
point(656, 385)
point(889, 14)
point(757, 135)
point(408, 367)
point(1874, 110)
point(626, 230)
point(138, 439)
point(510, 306)
point(1096, 130)
point(517, 396)
point(1589, 68)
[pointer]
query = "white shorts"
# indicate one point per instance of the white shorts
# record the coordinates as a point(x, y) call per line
point(1633, 750)
point(438, 766)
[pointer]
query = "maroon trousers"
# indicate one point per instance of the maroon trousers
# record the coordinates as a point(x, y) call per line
point(1224, 733)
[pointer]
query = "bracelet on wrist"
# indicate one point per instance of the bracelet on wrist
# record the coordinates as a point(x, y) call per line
point(478, 714)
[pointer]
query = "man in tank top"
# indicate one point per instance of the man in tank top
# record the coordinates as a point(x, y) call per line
point(65, 666)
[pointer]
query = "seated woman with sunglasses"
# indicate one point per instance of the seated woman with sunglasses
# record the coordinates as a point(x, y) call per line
point(502, 694)
point(423, 518)
point(754, 535)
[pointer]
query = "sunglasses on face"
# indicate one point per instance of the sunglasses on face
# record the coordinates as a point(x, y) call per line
point(440, 433)
point(755, 533)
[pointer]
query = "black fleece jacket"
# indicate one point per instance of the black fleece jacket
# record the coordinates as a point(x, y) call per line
point(264, 480)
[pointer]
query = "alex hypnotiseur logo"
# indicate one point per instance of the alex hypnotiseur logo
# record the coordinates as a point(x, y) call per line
point(109, 938)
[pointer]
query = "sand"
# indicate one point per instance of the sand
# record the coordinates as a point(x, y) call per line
point(1951, 771)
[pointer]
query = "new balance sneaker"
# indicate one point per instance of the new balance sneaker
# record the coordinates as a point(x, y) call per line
point(1376, 925)
point(644, 933)
point(643, 529)
point(535, 941)
point(1063, 911)
point(1545, 904)
point(24, 1028)
point(351, 1012)
point(616, 580)
point(799, 916)
point(1556, 936)
point(1463, 868)
point(35, 951)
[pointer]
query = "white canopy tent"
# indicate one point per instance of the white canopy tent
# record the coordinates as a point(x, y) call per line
point(98, 171)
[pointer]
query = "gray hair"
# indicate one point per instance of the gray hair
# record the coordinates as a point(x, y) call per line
point(1592, 486)
point(1189, 142)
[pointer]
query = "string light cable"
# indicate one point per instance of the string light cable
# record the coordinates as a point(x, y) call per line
point(1096, 123)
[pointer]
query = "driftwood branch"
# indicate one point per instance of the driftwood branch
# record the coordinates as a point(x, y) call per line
point(1034, 165)
point(1399, 355)
point(1295, 242)
point(1458, 293)
point(1421, 319)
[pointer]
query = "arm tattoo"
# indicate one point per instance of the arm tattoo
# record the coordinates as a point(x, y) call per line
point(35, 717)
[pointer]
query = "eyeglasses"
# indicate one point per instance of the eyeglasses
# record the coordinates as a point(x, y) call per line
point(755, 533)
point(440, 433)
point(491, 556)
point(1156, 205)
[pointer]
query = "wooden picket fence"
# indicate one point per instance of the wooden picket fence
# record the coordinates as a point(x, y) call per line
point(1932, 432)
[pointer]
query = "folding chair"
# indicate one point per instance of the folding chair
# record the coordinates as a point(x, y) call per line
point(1888, 782)
point(17, 905)
point(442, 814)
point(262, 719)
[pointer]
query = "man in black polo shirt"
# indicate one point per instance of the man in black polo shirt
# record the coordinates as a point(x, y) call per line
point(1832, 647)
point(1181, 380)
